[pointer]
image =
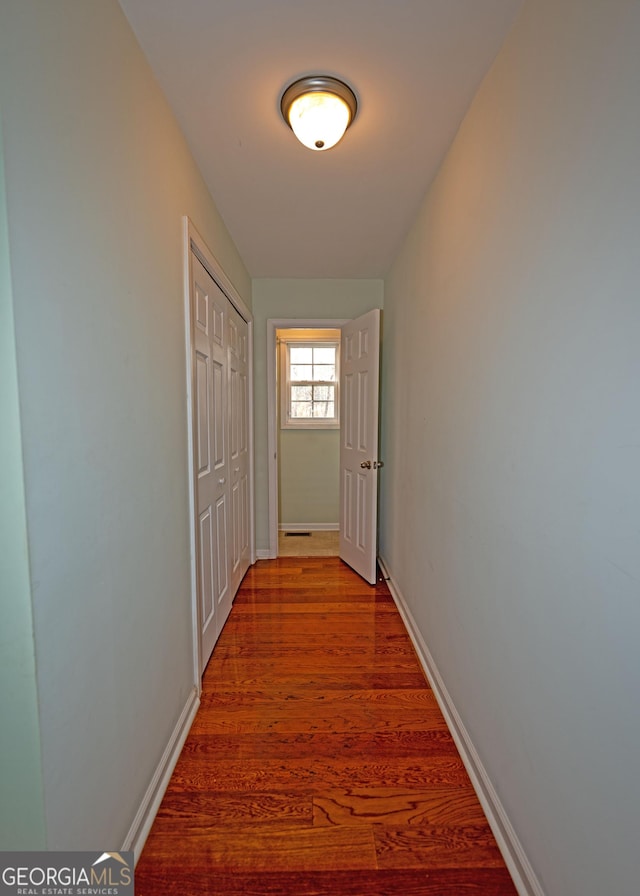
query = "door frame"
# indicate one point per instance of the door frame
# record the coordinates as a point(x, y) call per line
point(194, 242)
point(273, 325)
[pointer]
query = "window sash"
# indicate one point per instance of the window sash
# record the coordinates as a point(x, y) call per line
point(296, 387)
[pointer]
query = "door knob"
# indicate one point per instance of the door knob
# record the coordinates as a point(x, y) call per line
point(222, 481)
point(366, 464)
point(377, 464)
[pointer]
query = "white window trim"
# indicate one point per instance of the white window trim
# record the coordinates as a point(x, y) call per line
point(287, 422)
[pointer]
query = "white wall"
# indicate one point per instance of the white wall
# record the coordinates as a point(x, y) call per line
point(98, 178)
point(294, 299)
point(511, 494)
point(309, 476)
point(21, 796)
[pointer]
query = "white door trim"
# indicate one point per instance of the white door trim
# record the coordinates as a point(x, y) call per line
point(193, 241)
point(274, 324)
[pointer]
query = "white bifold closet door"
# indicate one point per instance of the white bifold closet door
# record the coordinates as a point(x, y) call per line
point(220, 364)
point(238, 366)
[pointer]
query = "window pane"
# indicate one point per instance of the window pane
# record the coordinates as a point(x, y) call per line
point(324, 354)
point(310, 398)
point(323, 409)
point(301, 409)
point(301, 354)
point(302, 393)
point(323, 393)
point(301, 372)
point(326, 372)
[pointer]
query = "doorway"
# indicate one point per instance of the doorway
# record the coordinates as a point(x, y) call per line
point(299, 456)
point(359, 464)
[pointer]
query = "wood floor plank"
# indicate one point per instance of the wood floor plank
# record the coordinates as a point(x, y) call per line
point(319, 761)
point(282, 699)
point(320, 662)
point(309, 774)
point(232, 847)
point(338, 717)
point(255, 610)
point(303, 681)
point(448, 847)
point(340, 627)
point(348, 618)
point(366, 654)
point(195, 811)
point(428, 745)
point(394, 807)
point(171, 880)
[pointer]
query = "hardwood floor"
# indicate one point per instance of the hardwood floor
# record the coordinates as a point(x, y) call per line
point(319, 762)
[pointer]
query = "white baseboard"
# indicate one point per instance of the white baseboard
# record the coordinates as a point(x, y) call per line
point(515, 858)
point(139, 830)
point(265, 554)
point(309, 527)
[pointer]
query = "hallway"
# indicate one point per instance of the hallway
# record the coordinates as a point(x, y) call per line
point(319, 762)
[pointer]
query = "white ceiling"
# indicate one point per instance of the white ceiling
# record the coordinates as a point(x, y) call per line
point(414, 66)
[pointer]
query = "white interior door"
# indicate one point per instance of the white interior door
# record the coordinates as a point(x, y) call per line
point(359, 464)
point(238, 354)
point(213, 487)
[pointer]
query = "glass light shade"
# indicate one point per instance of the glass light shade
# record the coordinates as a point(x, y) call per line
point(319, 119)
point(318, 109)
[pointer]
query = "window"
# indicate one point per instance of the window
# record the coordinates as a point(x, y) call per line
point(310, 374)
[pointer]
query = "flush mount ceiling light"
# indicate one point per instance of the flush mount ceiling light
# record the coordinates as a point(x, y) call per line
point(318, 109)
